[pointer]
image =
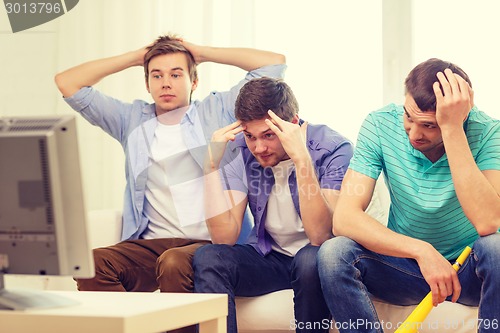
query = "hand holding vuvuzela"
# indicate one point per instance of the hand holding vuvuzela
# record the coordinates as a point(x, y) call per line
point(418, 315)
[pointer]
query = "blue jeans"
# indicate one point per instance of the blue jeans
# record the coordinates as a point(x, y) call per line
point(240, 271)
point(349, 274)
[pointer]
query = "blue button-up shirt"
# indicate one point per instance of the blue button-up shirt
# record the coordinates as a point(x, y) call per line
point(134, 124)
point(330, 153)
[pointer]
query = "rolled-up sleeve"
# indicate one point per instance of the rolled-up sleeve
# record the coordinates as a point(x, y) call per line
point(110, 114)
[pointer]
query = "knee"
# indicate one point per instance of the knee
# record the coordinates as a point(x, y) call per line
point(174, 260)
point(174, 272)
point(487, 250)
point(104, 269)
point(490, 244)
point(214, 268)
point(213, 256)
point(102, 259)
point(335, 255)
point(304, 264)
point(335, 251)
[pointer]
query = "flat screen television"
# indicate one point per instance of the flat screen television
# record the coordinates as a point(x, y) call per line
point(43, 225)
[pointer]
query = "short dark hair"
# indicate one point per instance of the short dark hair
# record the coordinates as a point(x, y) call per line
point(170, 44)
point(419, 81)
point(258, 96)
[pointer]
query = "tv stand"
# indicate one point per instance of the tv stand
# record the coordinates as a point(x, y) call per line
point(27, 299)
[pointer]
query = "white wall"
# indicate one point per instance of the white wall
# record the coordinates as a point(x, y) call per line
point(465, 33)
point(334, 54)
point(345, 58)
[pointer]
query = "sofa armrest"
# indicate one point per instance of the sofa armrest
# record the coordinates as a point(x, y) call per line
point(104, 227)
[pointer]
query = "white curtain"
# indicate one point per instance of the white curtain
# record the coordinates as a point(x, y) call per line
point(333, 48)
point(464, 33)
point(345, 58)
point(96, 29)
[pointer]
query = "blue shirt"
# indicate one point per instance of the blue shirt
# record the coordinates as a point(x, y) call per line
point(134, 124)
point(330, 153)
point(424, 204)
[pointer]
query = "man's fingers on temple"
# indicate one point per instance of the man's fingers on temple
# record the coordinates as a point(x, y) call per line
point(237, 130)
point(232, 126)
point(273, 126)
point(274, 117)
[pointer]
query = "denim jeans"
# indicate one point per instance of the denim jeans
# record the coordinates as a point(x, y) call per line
point(350, 274)
point(240, 271)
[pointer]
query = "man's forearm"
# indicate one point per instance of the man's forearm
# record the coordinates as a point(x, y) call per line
point(477, 196)
point(316, 211)
point(90, 73)
point(351, 220)
point(355, 223)
point(244, 58)
point(221, 224)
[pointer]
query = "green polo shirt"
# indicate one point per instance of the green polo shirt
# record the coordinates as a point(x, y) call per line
point(424, 204)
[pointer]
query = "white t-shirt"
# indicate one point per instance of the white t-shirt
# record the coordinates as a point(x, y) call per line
point(174, 201)
point(282, 221)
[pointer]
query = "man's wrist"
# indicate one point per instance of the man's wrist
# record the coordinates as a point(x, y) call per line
point(451, 132)
point(419, 249)
point(209, 168)
point(136, 58)
point(302, 161)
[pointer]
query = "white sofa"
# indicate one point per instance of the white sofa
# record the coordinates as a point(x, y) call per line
point(272, 312)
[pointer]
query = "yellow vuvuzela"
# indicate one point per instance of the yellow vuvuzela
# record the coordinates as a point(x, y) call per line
point(411, 324)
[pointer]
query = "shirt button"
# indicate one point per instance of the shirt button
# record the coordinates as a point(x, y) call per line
point(259, 208)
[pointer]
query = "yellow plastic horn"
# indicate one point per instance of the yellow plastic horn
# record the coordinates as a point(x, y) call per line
point(418, 315)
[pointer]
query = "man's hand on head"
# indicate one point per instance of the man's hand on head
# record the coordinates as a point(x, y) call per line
point(195, 50)
point(454, 99)
point(218, 143)
point(291, 135)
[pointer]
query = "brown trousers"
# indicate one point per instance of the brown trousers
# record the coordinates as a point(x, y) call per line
point(145, 265)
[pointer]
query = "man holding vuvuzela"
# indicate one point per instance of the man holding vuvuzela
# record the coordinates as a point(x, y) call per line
point(440, 157)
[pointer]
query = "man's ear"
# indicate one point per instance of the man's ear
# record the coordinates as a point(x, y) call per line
point(147, 85)
point(295, 119)
point(194, 85)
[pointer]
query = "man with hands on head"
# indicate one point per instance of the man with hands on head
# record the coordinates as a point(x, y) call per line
point(289, 172)
point(164, 143)
point(441, 161)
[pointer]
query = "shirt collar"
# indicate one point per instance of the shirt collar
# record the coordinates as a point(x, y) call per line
point(188, 116)
point(149, 109)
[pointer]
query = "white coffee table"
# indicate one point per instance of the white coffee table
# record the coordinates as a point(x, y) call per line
point(115, 312)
